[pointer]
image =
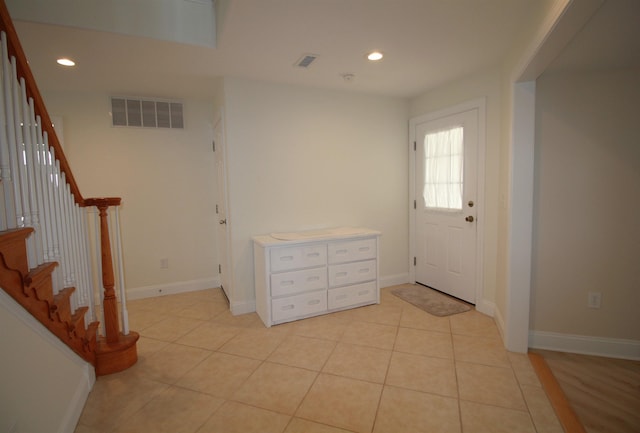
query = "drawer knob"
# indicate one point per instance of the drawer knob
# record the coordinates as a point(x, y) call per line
point(288, 307)
point(313, 302)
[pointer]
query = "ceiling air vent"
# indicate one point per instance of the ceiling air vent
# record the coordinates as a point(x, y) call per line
point(147, 113)
point(306, 60)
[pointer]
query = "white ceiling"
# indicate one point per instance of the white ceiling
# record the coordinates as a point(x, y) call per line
point(426, 44)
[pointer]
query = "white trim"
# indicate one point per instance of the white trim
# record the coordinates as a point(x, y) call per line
point(479, 104)
point(599, 346)
point(486, 307)
point(76, 403)
point(497, 316)
point(172, 288)
point(245, 307)
point(394, 280)
point(520, 211)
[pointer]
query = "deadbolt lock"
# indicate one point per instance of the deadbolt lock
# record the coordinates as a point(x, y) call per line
point(471, 203)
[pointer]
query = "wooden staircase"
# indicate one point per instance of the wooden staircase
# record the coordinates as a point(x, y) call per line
point(43, 220)
point(33, 289)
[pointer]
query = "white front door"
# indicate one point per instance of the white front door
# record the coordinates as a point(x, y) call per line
point(222, 222)
point(446, 203)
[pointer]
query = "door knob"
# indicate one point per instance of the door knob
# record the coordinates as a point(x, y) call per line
point(469, 219)
point(224, 221)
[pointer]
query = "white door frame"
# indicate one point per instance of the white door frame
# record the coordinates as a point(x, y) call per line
point(218, 122)
point(480, 105)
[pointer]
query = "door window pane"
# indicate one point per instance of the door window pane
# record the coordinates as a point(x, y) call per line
point(444, 160)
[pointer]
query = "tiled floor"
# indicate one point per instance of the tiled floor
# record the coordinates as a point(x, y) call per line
point(388, 368)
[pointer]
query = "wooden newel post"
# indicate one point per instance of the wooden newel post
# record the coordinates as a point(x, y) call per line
point(116, 352)
point(110, 303)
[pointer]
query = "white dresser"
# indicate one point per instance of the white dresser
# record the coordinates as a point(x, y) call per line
point(306, 274)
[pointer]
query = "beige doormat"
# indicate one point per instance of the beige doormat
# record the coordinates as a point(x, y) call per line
point(431, 301)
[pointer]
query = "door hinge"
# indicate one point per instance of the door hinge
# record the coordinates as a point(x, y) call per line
point(414, 205)
point(213, 145)
point(415, 262)
point(414, 146)
point(219, 269)
point(217, 209)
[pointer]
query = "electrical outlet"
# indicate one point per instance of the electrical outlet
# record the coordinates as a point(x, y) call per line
point(594, 299)
point(164, 263)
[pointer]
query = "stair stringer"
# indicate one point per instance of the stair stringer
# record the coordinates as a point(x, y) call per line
point(33, 290)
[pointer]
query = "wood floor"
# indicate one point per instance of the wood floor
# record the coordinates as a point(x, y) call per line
point(603, 392)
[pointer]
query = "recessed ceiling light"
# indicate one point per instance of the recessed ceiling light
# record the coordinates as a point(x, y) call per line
point(375, 56)
point(66, 62)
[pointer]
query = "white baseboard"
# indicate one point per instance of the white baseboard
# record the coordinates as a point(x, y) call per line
point(599, 346)
point(172, 288)
point(77, 402)
point(394, 280)
point(244, 307)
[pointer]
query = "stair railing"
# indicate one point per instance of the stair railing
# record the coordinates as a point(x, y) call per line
point(38, 190)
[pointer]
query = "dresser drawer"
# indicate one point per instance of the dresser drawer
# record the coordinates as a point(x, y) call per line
point(288, 283)
point(351, 273)
point(352, 295)
point(350, 251)
point(287, 258)
point(297, 306)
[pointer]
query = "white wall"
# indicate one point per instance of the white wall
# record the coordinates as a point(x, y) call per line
point(484, 84)
point(167, 182)
point(302, 158)
point(31, 398)
point(586, 205)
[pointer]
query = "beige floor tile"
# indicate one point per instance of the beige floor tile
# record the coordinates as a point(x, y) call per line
point(480, 418)
point(298, 425)
point(378, 313)
point(370, 334)
point(358, 362)
point(523, 369)
point(427, 343)
point(250, 320)
point(170, 329)
point(304, 352)
point(422, 373)
point(203, 310)
point(219, 375)
point(475, 324)
point(341, 402)
point(276, 387)
point(543, 415)
point(413, 317)
point(145, 347)
point(388, 298)
point(168, 364)
point(209, 336)
point(328, 327)
point(116, 397)
point(140, 319)
point(254, 343)
point(175, 410)
point(235, 417)
point(403, 410)
point(489, 385)
point(480, 350)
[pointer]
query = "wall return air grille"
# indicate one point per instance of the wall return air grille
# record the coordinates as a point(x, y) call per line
point(147, 113)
